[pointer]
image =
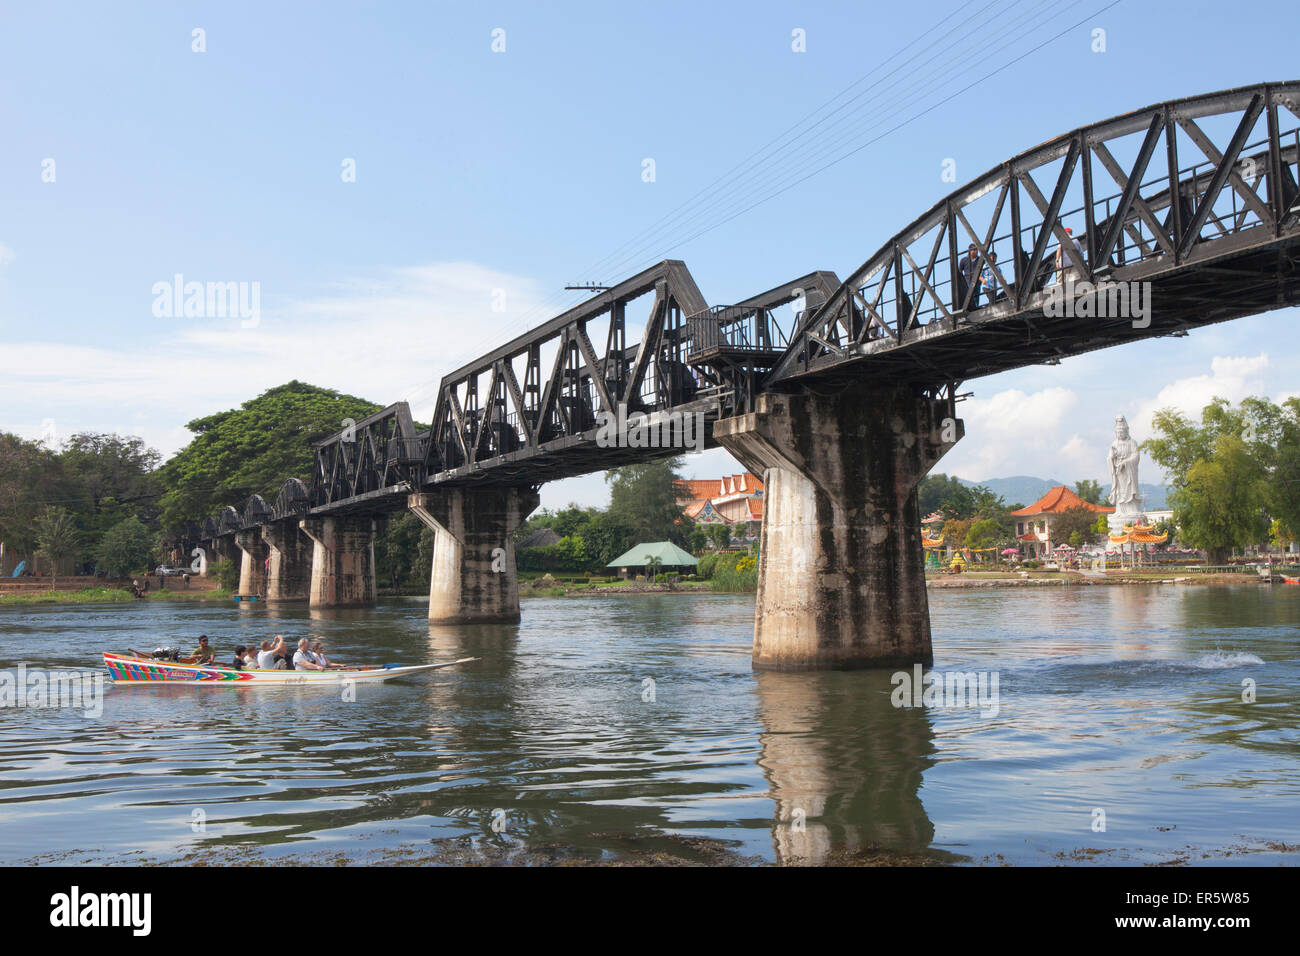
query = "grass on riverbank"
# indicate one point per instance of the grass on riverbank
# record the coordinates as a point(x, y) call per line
point(107, 596)
point(83, 596)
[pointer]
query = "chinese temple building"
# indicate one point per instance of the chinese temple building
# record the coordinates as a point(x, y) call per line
point(733, 499)
point(1034, 523)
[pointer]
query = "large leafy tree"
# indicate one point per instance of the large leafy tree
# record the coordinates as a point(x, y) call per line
point(1228, 471)
point(111, 478)
point(57, 537)
point(126, 547)
point(1089, 490)
point(1284, 487)
point(1220, 502)
point(253, 449)
point(642, 497)
point(31, 477)
point(946, 494)
point(1076, 526)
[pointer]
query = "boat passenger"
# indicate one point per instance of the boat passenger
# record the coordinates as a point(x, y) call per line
point(238, 662)
point(250, 658)
point(203, 654)
point(266, 660)
point(302, 658)
point(318, 652)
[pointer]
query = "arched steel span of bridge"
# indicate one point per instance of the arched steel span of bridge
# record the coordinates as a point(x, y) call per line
point(1190, 207)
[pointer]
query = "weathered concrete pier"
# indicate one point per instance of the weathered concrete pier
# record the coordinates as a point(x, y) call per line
point(474, 578)
point(841, 576)
point(342, 562)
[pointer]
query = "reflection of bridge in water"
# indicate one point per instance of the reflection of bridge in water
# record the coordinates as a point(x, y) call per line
point(843, 409)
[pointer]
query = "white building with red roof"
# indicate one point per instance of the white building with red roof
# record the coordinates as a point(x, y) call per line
point(1034, 523)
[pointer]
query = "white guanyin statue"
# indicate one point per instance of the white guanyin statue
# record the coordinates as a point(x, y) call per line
point(1123, 461)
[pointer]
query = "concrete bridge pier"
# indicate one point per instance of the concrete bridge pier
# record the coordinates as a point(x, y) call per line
point(474, 579)
point(342, 561)
point(841, 577)
point(289, 577)
point(252, 566)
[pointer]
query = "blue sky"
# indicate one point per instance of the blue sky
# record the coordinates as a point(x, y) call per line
point(489, 177)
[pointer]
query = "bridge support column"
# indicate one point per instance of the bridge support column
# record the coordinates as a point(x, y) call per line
point(474, 579)
point(342, 561)
point(252, 566)
point(841, 578)
point(289, 578)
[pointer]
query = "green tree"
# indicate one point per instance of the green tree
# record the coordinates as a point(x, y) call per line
point(1226, 470)
point(983, 533)
point(403, 552)
point(699, 538)
point(57, 538)
point(1219, 504)
point(954, 532)
point(572, 553)
point(111, 477)
point(30, 476)
point(126, 547)
point(1078, 521)
point(720, 535)
point(643, 498)
point(605, 539)
point(940, 492)
point(1284, 484)
point(1089, 490)
point(253, 449)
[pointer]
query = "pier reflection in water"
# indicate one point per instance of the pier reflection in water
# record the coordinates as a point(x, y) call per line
point(837, 793)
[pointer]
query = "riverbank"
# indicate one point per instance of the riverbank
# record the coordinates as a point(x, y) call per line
point(994, 579)
point(104, 595)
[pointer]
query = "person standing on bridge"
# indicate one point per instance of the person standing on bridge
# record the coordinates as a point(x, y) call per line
point(1067, 260)
point(989, 281)
point(969, 270)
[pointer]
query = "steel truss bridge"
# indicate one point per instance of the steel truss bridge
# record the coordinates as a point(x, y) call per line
point(1195, 201)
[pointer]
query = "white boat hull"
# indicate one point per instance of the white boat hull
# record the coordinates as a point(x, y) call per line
point(127, 669)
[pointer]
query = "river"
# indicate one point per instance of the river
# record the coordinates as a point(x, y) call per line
point(612, 727)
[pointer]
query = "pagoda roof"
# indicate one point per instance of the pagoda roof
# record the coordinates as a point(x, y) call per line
point(1057, 500)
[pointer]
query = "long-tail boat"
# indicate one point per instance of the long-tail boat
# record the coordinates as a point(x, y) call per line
point(143, 669)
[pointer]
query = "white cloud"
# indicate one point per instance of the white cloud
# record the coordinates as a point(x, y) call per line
point(1231, 377)
point(388, 337)
point(1011, 433)
point(1078, 457)
point(6, 255)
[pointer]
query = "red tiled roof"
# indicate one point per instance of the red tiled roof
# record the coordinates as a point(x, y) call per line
point(697, 488)
point(1056, 500)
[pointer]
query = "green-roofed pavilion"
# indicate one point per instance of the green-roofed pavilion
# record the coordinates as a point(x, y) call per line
point(669, 555)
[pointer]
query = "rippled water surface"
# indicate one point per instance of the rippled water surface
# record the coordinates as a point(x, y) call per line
point(1124, 700)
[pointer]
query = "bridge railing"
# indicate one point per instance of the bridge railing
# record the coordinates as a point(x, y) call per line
point(736, 328)
point(1230, 215)
point(1158, 214)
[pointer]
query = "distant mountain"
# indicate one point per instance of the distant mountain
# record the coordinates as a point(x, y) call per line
point(1027, 489)
point(1021, 488)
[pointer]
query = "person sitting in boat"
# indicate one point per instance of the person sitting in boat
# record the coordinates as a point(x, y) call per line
point(203, 654)
point(318, 652)
point(272, 652)
point(250, 658)
point(238, 662)
point(303, 659)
